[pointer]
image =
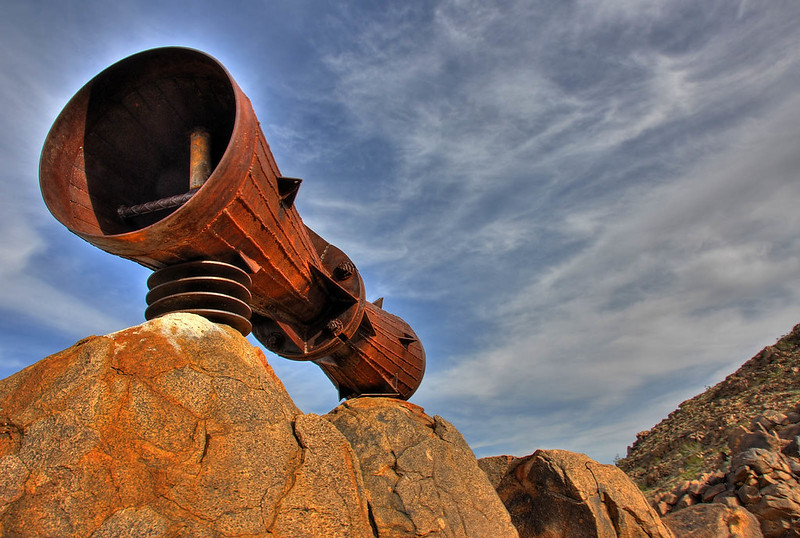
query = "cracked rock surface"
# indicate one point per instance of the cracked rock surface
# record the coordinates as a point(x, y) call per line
point(176, 427)
point(559, 493)
point(420, 476)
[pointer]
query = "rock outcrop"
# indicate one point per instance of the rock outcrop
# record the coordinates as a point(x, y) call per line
point(179, 427)
point(558, 493)
point(735, 444)
point(174, 427)
point(421, 477)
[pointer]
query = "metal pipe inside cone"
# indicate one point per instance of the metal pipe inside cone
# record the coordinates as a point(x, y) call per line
point(199, 158)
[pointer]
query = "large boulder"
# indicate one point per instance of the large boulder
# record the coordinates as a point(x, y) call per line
point(175, 427)
point(421, 477)
point(715, 520)
point(558, 493)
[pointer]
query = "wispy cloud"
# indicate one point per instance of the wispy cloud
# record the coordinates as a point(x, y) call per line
point(692, 277)
point(623, 200)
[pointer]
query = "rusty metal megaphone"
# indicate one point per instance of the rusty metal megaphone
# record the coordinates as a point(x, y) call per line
point(160, 159)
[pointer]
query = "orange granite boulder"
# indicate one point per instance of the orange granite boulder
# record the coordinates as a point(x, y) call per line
point(174, 427)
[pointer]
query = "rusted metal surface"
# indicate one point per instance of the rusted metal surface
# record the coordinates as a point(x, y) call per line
point(126, 168)
point(382, 359)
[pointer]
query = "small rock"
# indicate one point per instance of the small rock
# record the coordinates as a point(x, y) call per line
point(778, 502)
point(777, 529)
point(789, 432)
point(772, 418)
point(660, 497)
point(686, 501)
point(791, 449)
point(671, 497)
point(739, 475)
point(713, 491)
point(696, 487)
point(734, 436)
point(715, 478)
point(748, 494)
point(792, 417)
point(759, 439)
point(662, 508)
point(760, 460)
point(728, 498)
point(781, 476)
point(794, 466)
point(766, 480)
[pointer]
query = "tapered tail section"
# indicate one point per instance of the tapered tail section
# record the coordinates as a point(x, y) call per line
point(384, 358)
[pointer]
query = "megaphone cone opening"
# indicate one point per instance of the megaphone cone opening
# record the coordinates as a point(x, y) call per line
point(124, 139)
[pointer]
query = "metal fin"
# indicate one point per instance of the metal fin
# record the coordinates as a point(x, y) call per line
point(287, 189)
point(407, 340)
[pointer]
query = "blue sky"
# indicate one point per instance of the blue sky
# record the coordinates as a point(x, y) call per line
point(587, 210)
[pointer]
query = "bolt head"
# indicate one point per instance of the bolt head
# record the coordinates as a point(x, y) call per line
point(274, 341)
point(335, 326)
point(344, 271)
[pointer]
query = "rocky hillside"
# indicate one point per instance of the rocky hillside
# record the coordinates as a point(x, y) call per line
point(735, 440)
point(693, 439)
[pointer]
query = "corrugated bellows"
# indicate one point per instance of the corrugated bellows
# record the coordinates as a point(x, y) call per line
point(215, 290)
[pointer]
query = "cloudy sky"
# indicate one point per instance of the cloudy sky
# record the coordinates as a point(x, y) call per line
point(586, 209)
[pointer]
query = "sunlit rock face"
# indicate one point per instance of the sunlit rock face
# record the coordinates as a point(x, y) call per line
point(179, 427)
point(421, 477)
point(174, 427)
point(560, 493)
point(715, 520)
